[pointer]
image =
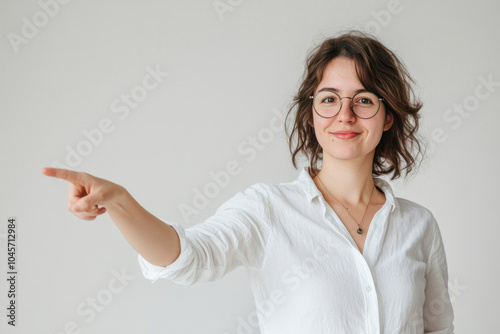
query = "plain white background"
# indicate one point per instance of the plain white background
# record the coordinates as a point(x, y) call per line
point(231, 70)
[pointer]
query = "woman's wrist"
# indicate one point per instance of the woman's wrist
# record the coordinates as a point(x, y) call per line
point(120, 197)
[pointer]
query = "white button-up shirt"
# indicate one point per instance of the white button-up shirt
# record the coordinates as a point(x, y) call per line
point(306, 273)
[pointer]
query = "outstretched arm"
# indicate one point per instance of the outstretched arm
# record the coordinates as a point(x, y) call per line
point(90, 196)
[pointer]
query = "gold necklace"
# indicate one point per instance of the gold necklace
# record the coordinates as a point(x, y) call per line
point(360, 230)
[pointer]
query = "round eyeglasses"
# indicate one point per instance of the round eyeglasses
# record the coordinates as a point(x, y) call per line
point(327, 104)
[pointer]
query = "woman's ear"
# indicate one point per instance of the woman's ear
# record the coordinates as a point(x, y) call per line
point(310, 120)
point(389, 119)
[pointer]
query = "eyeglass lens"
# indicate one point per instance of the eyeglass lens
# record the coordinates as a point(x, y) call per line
point(364, 104)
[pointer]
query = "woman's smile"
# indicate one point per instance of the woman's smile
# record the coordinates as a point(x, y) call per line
point(345, 134)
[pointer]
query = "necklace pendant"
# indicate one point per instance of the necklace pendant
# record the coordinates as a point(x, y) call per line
point(360, 231)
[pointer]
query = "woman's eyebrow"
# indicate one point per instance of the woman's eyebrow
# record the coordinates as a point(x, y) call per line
point(335, 90)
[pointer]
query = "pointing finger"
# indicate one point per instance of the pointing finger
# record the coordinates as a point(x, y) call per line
point(64, 174)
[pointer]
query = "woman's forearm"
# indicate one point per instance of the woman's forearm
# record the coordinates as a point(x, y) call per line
point(156, 241)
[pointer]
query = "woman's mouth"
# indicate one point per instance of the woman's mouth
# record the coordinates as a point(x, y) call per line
point(346, 134)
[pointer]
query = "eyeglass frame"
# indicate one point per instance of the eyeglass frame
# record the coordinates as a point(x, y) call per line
point(345, 97)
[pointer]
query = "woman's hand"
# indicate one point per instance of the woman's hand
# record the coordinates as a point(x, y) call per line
point(88, 195)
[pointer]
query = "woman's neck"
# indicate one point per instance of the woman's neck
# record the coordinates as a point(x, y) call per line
point(348, 181)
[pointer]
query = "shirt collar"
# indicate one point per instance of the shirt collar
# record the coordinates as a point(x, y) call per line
point(312, 191)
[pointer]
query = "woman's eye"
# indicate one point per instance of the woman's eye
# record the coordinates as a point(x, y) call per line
point(329, 100)
point(364, 100)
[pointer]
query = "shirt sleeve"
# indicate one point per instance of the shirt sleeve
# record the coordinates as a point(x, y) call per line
point(236, 235)
point(438, 311)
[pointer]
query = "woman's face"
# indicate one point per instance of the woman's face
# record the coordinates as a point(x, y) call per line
point(340, 74)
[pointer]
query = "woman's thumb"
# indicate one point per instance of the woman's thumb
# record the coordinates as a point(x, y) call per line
point(84, 204)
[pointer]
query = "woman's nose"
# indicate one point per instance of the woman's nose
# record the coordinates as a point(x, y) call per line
point(345, 114)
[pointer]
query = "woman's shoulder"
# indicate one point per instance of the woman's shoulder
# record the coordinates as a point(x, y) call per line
point(410, 206)
point(416, 214)
point(265, 190)
point(273, 189)
point(258, 199)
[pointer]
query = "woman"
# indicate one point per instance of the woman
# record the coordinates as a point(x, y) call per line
point(333, 251)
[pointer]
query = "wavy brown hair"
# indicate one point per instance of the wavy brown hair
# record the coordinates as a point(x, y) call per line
point(380, 71)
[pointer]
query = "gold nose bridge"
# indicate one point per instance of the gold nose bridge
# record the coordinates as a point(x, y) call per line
point(345, 97)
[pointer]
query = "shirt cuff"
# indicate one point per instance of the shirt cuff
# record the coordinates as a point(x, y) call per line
point(154, 272)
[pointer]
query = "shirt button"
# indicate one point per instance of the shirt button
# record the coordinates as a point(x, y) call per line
point(368, 288)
